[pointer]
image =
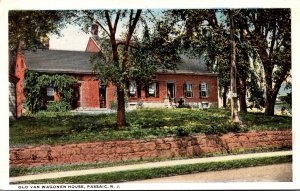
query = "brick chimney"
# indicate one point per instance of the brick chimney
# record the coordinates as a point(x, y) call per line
point(94, 30)
point(45, 41)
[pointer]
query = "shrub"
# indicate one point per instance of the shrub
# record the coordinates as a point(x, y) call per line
point(35, 85)
point(219, 129)
point(183, 131)
point(114, 104)
point(59, 106)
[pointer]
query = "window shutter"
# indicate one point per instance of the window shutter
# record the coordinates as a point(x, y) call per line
point(146, 91)
point(157, 89)
point(184, 87)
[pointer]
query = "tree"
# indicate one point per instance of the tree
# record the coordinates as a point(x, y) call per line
point(262, 36)
point(135, 55)
point(30, 26)
point(233, 73)
point(206, 37)
point(269, 31)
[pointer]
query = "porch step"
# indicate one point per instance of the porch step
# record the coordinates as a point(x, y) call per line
point(92, 110)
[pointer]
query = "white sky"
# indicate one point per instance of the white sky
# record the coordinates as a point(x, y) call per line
point(72, 38)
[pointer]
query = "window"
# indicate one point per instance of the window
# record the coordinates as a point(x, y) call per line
point(132, 89)
point(50, 94)
point(153, 90)
point(188, 90)
point(203, 90)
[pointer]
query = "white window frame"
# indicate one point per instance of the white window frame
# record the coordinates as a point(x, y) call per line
point(132, 89)
point(50, 94)
point(188, 91)
point(152, 89)
point(203, 90)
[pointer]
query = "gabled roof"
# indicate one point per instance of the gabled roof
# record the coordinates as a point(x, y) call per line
point(59, 61)
point(194, 65)
point(62, 61)
point(188, 64)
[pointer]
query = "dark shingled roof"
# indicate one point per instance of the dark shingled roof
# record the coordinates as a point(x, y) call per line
point(62, 61)
point(59, 61)
point(191, 65)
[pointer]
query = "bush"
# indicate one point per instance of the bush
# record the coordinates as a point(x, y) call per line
point(114, 105)
point(35, 85)
point(219, 129)
point(60, 106)
point(183, 131)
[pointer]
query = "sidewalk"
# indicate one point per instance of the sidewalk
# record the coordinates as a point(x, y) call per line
point(146, 166)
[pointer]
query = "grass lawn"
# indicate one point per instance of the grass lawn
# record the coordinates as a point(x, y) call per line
point(56, 128)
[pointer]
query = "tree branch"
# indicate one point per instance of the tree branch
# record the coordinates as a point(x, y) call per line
point(99, 24)
point(130, 18)
point(112, 32)
point(273, 40)
point(117, 20)
point(133, 25)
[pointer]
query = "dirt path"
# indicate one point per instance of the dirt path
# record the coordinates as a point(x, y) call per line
point(269, 173)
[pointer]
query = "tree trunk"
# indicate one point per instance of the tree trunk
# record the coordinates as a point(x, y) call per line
point(234, 106)
point(271, 96)
point(270, 100)
point(121, 120)
point(224, 96)
point(243, 89)
point(269, 106)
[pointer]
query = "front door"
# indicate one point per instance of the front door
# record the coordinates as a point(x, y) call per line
point(76, 96)
point(102, 96)
point(171, 90)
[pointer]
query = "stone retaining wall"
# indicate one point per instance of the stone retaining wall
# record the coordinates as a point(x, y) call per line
point(109, 151)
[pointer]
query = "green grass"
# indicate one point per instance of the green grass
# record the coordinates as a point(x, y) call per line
point(58, 128)
point(124, 176)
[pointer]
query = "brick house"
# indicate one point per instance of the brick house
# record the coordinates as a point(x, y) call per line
point(191, 81)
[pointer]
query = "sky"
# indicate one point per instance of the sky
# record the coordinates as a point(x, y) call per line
point(72, 38)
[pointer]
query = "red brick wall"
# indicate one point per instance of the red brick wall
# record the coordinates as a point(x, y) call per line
point(109, 151)
point(91, 46)
point(180, 79)
point(89, 91)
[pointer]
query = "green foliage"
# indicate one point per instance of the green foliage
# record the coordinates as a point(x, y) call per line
point(288, 98)
point(219, 129)
point(55, 128)
point(256, 98)
point(206, 34)
point(114, 103)
point(35, 85)
point(30, 26)
point(60, 106)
